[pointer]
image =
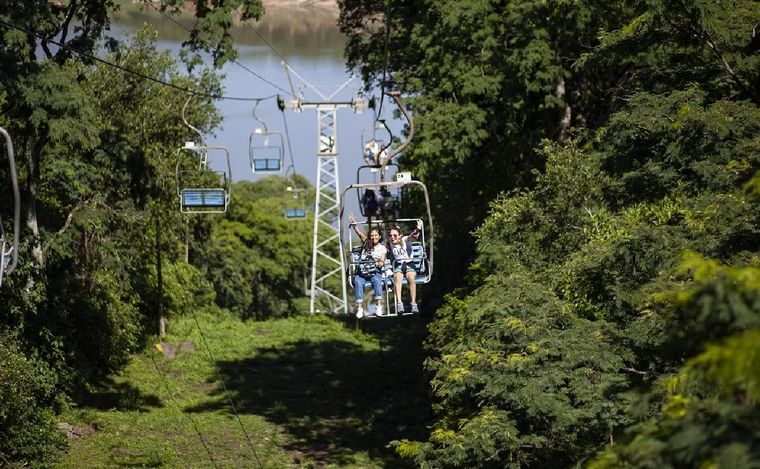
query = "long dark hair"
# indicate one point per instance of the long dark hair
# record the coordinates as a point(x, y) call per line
point(368, 241)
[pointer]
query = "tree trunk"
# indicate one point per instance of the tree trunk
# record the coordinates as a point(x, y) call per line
point(187, 241)
point(567, 115)
point(32, 155)
point(160, 282)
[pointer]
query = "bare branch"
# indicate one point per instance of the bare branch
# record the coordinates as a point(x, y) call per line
point(633, 370)
point(723, 60)
point(70, 219)
point(69, 15)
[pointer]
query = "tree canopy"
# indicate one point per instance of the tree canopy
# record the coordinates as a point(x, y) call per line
point(605, 315)
point(595, 173)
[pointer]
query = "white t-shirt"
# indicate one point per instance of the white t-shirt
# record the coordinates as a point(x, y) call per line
point(378, 252)
point(399, 250)
point(372, 149)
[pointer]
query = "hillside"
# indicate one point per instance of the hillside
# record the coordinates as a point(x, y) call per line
point(309, 392)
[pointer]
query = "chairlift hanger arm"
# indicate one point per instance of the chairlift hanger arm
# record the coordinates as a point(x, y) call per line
point(16, 201)
point(184, 119)
point(400, 103)
point(256, 118)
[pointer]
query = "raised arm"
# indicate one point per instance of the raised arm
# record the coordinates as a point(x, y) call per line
point(416, 231)
point(359, 232)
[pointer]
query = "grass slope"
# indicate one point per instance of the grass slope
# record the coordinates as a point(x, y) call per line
point(310, 391)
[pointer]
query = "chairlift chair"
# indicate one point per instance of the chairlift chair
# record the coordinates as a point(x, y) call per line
point(203, 190)
point(9, 254)
point(419, 255)
point(266, 151)
point(422, 250)
point(295, 213)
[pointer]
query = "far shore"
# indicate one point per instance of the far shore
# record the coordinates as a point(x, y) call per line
point(281, 4)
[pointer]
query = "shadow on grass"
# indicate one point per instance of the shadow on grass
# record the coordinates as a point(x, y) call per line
point(122, 396)
point(334, 398)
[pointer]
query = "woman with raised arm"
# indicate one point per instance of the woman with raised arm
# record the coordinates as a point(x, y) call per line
point(370, 268)
point(403, 265)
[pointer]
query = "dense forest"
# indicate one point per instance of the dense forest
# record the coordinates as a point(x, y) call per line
point(593, 168)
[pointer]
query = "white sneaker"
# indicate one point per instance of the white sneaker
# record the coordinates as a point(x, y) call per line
point(414, 308)
point(400, 307)
point(359, 312)
point(379, 311)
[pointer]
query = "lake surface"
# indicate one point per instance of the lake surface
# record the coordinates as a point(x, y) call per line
point(310, 42)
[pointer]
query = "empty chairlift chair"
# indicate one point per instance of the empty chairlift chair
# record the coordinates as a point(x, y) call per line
point(203, 190)
point(266, 149)
point(296, 212)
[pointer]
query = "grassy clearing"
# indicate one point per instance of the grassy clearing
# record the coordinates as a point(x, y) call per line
point(310, 391)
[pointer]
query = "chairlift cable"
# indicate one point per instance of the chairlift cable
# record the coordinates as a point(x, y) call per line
point(386, 55)
point(262, 38)
point(290, 150)
point(207, 43)
point(132, 72)
point(287, 65)
point(226, 391)
point(174, 401)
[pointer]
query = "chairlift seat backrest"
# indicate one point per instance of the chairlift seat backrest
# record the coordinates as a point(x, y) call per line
point(203, 200)
point(418, 257)
point(263, 165)
point(295, 213)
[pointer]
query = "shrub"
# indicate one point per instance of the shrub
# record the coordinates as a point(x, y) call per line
point(29, 436)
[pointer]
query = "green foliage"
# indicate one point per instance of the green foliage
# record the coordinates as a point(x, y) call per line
point(95, 150)
point(538, 227)
point(185, 290)
point(703, 413)
point(679, 143)
point(256, 259)
point(591, 261)
point(489, 80)
point(668, 45)
point(524, 380)
point(29, 436)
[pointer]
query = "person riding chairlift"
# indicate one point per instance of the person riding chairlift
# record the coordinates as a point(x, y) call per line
point(370, 268)
point(403, 265)
point(374, 155)
point(373, 203)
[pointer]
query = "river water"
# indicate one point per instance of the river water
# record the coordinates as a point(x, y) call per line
point(309, 41)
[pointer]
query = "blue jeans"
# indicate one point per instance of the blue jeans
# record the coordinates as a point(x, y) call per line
point(377, 286)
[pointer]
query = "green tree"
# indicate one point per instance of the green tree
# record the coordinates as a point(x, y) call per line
point(490, 80)
point(256, 258)
point(591, 256)
point(29, 436)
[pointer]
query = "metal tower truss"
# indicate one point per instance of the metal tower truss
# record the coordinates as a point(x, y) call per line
point(328, 272)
